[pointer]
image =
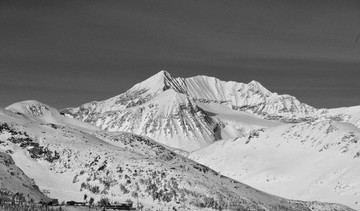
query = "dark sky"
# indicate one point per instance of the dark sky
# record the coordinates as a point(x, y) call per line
point(65, 53)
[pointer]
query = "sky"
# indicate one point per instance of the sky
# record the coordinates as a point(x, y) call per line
point(65, 53)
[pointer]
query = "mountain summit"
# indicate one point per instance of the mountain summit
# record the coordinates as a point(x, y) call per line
point(174, 111)
point(161, 81)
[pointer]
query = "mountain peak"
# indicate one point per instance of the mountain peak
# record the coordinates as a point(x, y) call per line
point(155, 83)
point(161, 81)
point(163, 73)
point(158, 77)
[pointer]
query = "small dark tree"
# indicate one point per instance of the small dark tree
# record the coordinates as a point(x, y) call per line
point(104, 202)
point(91, 201)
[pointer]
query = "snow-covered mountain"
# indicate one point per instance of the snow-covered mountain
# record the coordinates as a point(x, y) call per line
point(68, 162)
point(173, 111)
point(45, 114)
point(272, 142)
point(317, 160)
point(157, 108)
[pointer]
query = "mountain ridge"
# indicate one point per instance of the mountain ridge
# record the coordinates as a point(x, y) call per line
point(115, 114)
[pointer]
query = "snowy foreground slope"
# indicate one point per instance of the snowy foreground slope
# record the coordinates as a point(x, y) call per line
point(309, 161)
point(69, 162)
point(13, 180)
point(173, 112)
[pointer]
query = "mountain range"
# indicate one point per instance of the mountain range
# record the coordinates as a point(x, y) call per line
point(188, 143)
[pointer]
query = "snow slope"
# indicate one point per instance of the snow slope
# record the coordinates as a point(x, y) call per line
point(309, 161)
point(234, 123)
point(69, 163)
